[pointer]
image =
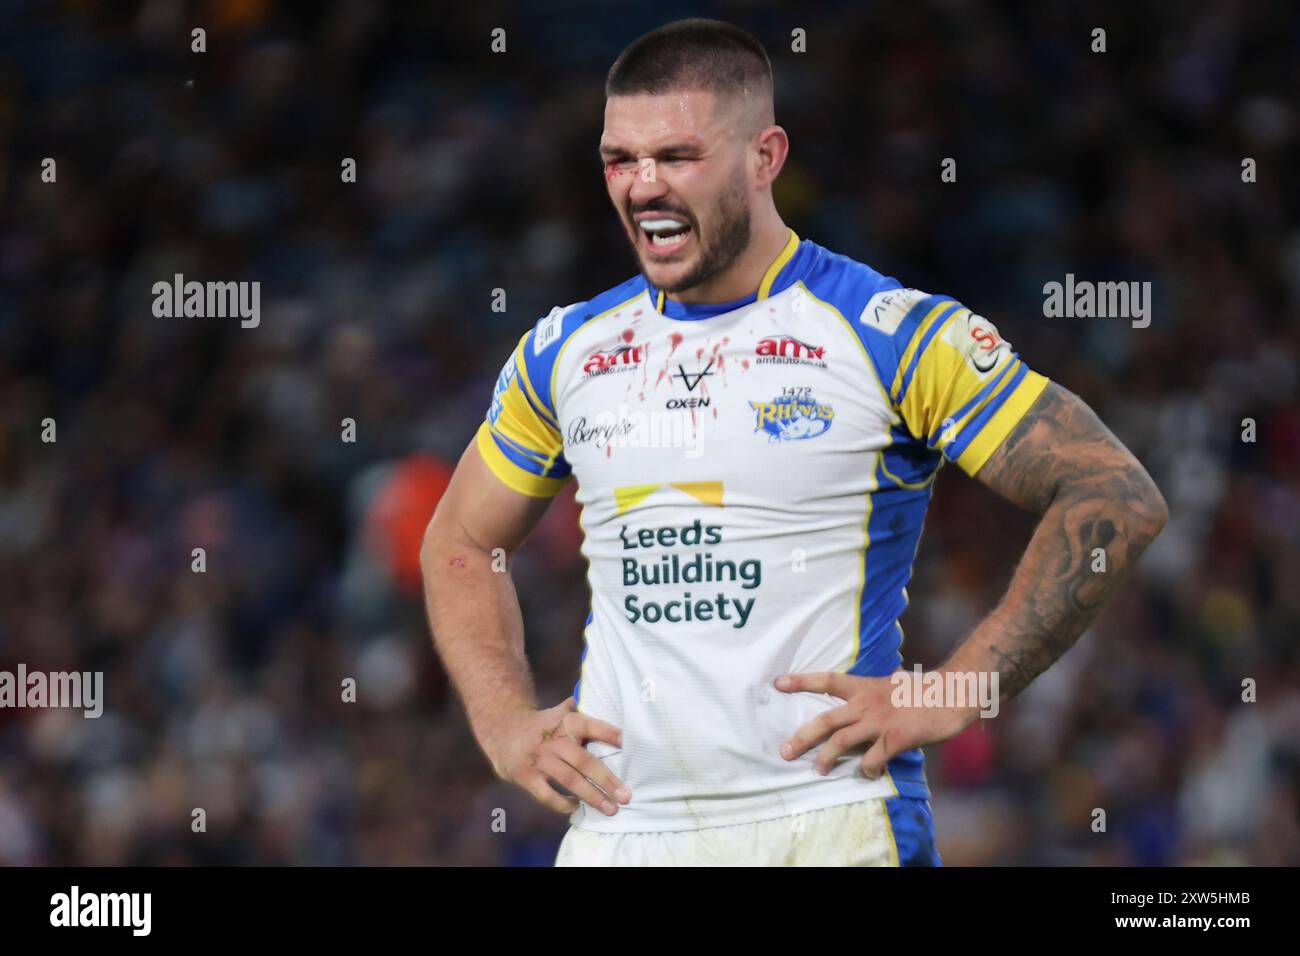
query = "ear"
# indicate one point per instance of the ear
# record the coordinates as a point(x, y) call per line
point(772, 148)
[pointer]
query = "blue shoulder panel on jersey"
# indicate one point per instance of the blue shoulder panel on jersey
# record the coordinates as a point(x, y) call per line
point(849, 285)
point(547, 338)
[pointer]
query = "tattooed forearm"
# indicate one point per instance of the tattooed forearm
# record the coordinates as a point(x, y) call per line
point(1100, 510)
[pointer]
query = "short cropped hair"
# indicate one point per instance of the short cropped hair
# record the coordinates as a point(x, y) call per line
point(693, 54)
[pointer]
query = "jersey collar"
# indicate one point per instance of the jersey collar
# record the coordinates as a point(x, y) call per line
point(786, 269)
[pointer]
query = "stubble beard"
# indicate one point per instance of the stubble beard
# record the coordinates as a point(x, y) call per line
point(730, 240)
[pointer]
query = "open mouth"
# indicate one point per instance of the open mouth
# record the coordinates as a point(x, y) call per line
point(663, 234)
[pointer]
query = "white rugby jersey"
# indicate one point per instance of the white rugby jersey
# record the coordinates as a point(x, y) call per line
point(753, 477)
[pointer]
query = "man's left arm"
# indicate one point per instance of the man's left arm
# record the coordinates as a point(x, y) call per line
point(959, 388)
point(1062, 463)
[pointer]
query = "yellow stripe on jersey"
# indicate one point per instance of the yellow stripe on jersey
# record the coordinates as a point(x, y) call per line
point(791, 247)
point(627, 497)
point(919, 336)
point(933, 368)
point(709, 492)
point(944, 433)
point(520, 423)
point(999, 426)
point(943, 381)
point(519, 441)
point(862, 568)
point(630, 496)
point(532, 392)
point(511, 474)
point(889, 825)
point(960, 388)
point(953, 401)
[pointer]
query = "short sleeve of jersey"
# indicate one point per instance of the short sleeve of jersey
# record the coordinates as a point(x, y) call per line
point(957, 384)
point(520, 438)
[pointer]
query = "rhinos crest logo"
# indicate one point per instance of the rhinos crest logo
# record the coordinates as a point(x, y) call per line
point(792, 417)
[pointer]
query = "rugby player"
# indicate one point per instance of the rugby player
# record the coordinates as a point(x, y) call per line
point(754, 423)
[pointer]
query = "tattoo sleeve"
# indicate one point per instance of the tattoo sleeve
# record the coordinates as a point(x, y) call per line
point(1063, 464)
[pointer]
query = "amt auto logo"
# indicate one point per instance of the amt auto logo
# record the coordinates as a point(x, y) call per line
point(787, 350)
point(792, 416)
point(619, 359)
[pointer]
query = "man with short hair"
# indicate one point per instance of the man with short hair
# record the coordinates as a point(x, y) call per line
point(754, 423)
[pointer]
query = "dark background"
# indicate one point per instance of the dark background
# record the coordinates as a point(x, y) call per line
point(478, 171)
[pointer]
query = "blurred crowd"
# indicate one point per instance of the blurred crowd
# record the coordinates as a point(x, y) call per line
point(1177, 714)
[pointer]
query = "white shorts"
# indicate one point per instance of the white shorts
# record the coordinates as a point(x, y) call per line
point(880, 832)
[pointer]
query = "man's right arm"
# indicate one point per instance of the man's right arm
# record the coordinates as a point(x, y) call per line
point(478, 632)
point(473, 609)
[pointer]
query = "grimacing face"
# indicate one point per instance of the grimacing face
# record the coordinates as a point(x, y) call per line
point(675, 171)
